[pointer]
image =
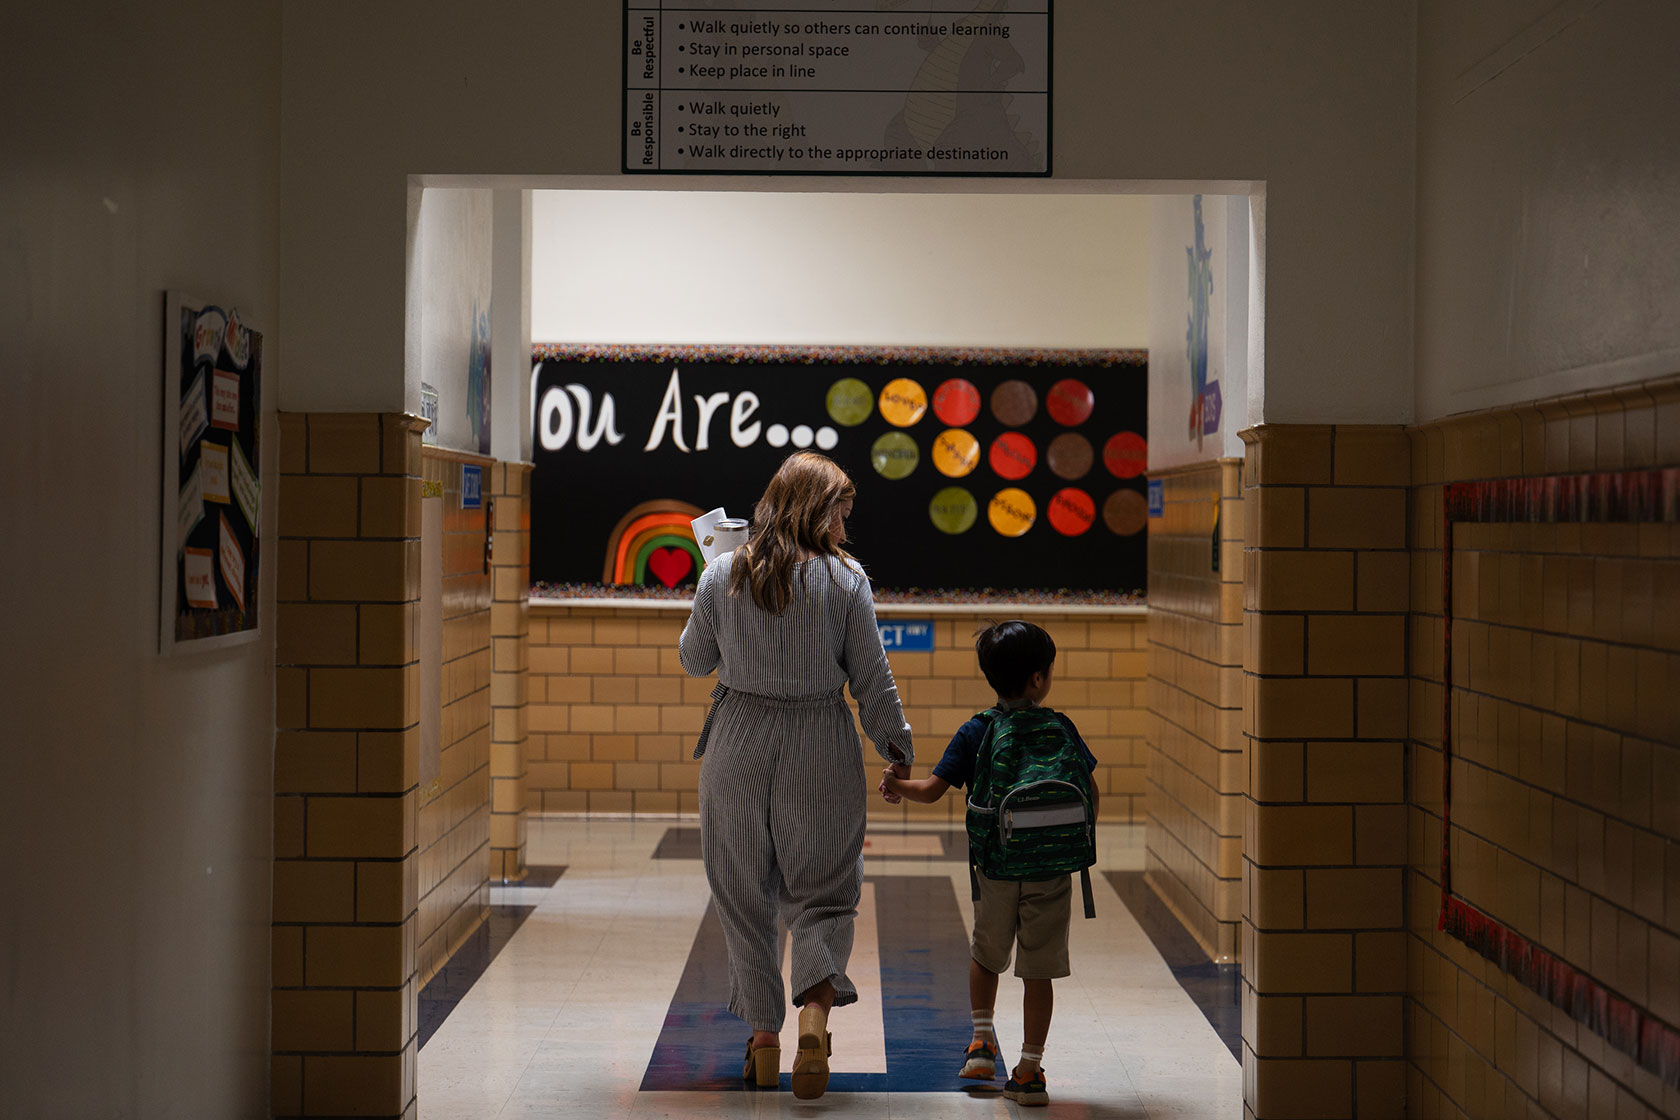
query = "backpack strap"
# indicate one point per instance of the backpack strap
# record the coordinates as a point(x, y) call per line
point(988, 717)
point(1085, 887)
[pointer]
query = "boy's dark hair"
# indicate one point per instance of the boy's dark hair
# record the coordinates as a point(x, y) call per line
point(1011, 652)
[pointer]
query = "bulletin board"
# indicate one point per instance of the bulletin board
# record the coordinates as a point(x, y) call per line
point(976, 470)
point(212, 460)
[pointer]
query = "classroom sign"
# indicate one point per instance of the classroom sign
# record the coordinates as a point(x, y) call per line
point(975, 469)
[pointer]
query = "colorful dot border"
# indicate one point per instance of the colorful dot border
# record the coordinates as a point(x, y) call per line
point(836, 355)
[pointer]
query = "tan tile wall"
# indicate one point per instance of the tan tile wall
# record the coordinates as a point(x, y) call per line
point(613, 717)
point(346, 765)
point(1325, 710)
point(510, 629)
point(1196, 747)
point(454, 810)
point(1566, 776)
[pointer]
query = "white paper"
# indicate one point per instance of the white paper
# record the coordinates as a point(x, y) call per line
point(194, 414)
point(703, 532)
point(191, 507)
point(246, 491)
point(199, 578)
point(232, 561)
point(213, 457)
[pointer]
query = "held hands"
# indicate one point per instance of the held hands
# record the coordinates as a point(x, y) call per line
point(889, 777)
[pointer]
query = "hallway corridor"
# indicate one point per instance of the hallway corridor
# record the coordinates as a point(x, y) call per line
point(607, 998)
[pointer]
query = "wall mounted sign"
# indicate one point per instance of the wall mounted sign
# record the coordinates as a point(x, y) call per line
point(906, 636)
point(632, 443)
point(920, 87)
point(211, 483)
point(472, 486)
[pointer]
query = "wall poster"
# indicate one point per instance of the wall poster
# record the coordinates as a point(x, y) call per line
point(212, 490)
point(1013, 473)
point(832, 87)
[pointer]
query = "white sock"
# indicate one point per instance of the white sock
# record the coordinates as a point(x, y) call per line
point(1031, 1056)
point(983, 1030)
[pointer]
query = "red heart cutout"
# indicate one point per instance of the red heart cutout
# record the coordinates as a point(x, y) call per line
point(670, 564)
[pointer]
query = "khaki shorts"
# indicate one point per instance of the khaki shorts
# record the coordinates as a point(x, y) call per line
point(1035, 915)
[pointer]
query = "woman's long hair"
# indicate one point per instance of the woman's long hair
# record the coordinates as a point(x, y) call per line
point(794, 515)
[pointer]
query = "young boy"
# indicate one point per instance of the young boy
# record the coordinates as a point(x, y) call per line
point(1016, 658)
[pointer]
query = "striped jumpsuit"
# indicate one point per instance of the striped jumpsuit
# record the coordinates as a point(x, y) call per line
point(782, 792)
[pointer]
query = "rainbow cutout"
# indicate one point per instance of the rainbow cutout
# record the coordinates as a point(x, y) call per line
point(639, 548)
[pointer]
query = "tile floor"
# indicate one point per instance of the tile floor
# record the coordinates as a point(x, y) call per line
point(606, 1000)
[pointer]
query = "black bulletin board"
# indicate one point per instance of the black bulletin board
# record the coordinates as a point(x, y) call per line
point(613, 487)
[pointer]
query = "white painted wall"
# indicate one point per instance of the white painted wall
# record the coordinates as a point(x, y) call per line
point(1225, 233)
point(1316, 100)
point(866, 269)
point(139, 151)
point(510, 303)
point(1548, 199)
point(449, 313)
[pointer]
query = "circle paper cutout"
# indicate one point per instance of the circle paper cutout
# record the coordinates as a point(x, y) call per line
point(1013, 456)
point(903, 402)
point(776, 435)
point(956, 402)
point(955, 453)
point(1012, 512)
point(1072, 511)
point(953, 510)
point(1126, 455)
point(1125, 512)
point(1014, 403)
point(802, 435)
point(850, 402)
point(1070, 456)
point(894, 456)
point(827, 437)
point(1070, 402)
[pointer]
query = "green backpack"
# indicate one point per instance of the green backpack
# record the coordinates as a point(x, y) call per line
point(1029, 802)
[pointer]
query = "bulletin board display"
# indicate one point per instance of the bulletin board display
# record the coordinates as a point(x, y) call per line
point(212, 491)
point(976, 470)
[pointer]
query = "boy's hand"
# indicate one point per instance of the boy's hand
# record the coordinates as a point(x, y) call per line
point(889, 776)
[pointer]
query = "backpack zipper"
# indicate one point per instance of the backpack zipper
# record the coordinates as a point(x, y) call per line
point(1006, 820)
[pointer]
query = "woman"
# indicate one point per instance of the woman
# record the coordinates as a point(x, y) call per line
point(787, 620)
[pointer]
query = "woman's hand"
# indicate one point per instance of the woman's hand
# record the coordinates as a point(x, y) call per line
point(887, 776)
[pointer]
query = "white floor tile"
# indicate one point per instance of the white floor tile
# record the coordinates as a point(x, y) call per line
point(566, 1018)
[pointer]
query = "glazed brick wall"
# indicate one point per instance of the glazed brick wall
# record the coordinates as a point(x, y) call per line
point(1325, 710)
point(510, 629)
point(1197, 752)
point(346, 862)
point(1566, 763)
point(453, 832)
point(612, 716)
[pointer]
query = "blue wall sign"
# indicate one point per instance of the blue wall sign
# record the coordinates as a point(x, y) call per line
point(1157, 498)
point(906, 636)
point(472, 487)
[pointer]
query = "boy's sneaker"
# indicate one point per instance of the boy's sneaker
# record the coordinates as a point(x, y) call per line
point(980, 1062)
point(1030, 1094)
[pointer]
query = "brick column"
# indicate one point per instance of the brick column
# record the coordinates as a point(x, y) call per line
point(1324, 853)
point(345, 769)
point(510, 631)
